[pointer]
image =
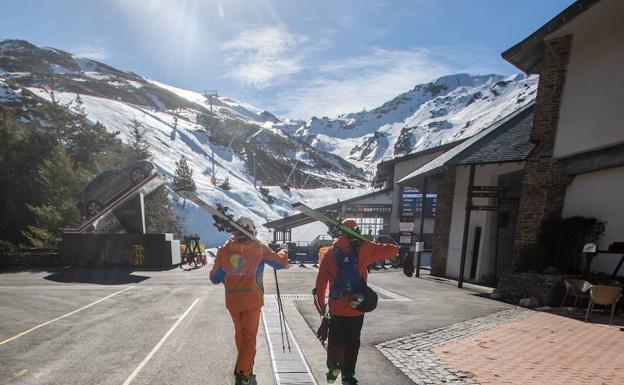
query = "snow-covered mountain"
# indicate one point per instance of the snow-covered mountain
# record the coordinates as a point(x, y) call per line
point(450, 108)
point(230, 140)
point(223, 137)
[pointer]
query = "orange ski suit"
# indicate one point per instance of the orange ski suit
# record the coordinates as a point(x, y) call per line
point(370, 252)
point(240, 266)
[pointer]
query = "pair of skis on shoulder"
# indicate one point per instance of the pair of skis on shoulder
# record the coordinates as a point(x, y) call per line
point(332, 223)
point(220, 216)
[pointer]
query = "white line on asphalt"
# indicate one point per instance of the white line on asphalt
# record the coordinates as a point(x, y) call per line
point(64, 315)
point(394, 297)
point(158, 345)
point(48, 287)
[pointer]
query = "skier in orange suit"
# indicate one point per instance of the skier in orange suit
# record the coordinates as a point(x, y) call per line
point(239, 264)
point(344, 266)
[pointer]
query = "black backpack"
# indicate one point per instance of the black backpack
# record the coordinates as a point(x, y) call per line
point(349, 281)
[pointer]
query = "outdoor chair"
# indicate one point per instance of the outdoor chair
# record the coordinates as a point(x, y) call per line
point(603, 295)
point(577, 288)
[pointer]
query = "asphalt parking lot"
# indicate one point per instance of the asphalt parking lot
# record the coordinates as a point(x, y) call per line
point(99, 326)
point(110, 326)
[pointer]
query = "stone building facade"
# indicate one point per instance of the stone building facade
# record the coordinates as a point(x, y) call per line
point(543, 186)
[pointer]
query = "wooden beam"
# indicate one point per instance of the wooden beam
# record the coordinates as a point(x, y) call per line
point(423, 198)
point(593, 160)
point(462, 263)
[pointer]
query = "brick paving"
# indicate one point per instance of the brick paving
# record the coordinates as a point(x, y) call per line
point(414, 355)
point(515, 346)
point(540, 349)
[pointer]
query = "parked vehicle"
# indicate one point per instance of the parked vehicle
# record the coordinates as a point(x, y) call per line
point(109, 185)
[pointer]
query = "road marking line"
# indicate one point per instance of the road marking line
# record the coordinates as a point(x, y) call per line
point(48, 287)
point(158, 345)
point(394, 297)
point(21, 373)
point(64, 316)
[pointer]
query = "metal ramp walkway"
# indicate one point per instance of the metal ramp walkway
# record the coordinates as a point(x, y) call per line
point(290, 367)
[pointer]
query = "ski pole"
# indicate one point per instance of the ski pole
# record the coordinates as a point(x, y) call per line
point(281, 313)
point(281, 304)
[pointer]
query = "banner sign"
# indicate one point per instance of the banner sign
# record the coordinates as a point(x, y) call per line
point(410, 203)
point(405, 239)
point(406, 227)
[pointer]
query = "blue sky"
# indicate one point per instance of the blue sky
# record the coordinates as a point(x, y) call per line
point(297, 58)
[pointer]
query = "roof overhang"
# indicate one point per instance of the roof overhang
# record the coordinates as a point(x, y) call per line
point(385, 169)
point(527, 54)
point(297, 220)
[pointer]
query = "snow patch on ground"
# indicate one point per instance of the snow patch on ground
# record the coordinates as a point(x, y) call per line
point(8, 94)
point(96, 75)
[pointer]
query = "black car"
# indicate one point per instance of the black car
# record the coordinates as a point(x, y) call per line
point(110, 184)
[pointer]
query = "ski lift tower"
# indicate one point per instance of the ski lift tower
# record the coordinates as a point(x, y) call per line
point(210, 94)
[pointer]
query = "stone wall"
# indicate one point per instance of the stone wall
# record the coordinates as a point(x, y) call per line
point(444, 187)
point(547, 288)
point(543, 187)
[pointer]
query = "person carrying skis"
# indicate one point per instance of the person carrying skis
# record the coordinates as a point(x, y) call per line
point(239, 264)
point(342, 271)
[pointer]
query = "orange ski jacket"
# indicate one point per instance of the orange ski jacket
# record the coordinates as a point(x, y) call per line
point(370, 252)
point(240, 266)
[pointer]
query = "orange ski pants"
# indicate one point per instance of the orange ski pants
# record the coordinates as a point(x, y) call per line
point(246, 329)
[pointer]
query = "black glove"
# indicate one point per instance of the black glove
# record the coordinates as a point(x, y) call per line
point(323, 330)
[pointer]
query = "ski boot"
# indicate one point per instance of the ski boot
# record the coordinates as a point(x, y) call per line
point(349, 381)
point(241, 379)
point(332, 375)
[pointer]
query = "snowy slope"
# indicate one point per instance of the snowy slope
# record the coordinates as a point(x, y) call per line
point(450, 108)
point(168, 144)
point(228, 133)
point(31, 77)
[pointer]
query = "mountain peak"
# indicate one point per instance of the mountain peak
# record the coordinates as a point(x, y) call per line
point(446, 109)
point(451, 82)
point(16, 45)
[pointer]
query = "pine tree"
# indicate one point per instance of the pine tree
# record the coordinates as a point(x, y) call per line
point(159, 214)
point(88, 142)
point(79, 105)
point(139, 147)
point(267, 195)
point(61, 121)
point(58, 182)
point(23, 149)
point(183, 179)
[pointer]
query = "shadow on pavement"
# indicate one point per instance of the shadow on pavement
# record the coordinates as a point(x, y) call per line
point(100, 276)
point(598, 316)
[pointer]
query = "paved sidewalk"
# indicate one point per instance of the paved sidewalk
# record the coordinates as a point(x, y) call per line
point(540, 349)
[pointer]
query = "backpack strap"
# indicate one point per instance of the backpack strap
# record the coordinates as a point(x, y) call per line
point(348, 280)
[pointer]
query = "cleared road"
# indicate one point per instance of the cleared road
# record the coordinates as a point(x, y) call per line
point(106, 342)
point(106, 326)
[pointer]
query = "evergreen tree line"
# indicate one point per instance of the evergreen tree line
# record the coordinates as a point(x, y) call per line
point(44, 165)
